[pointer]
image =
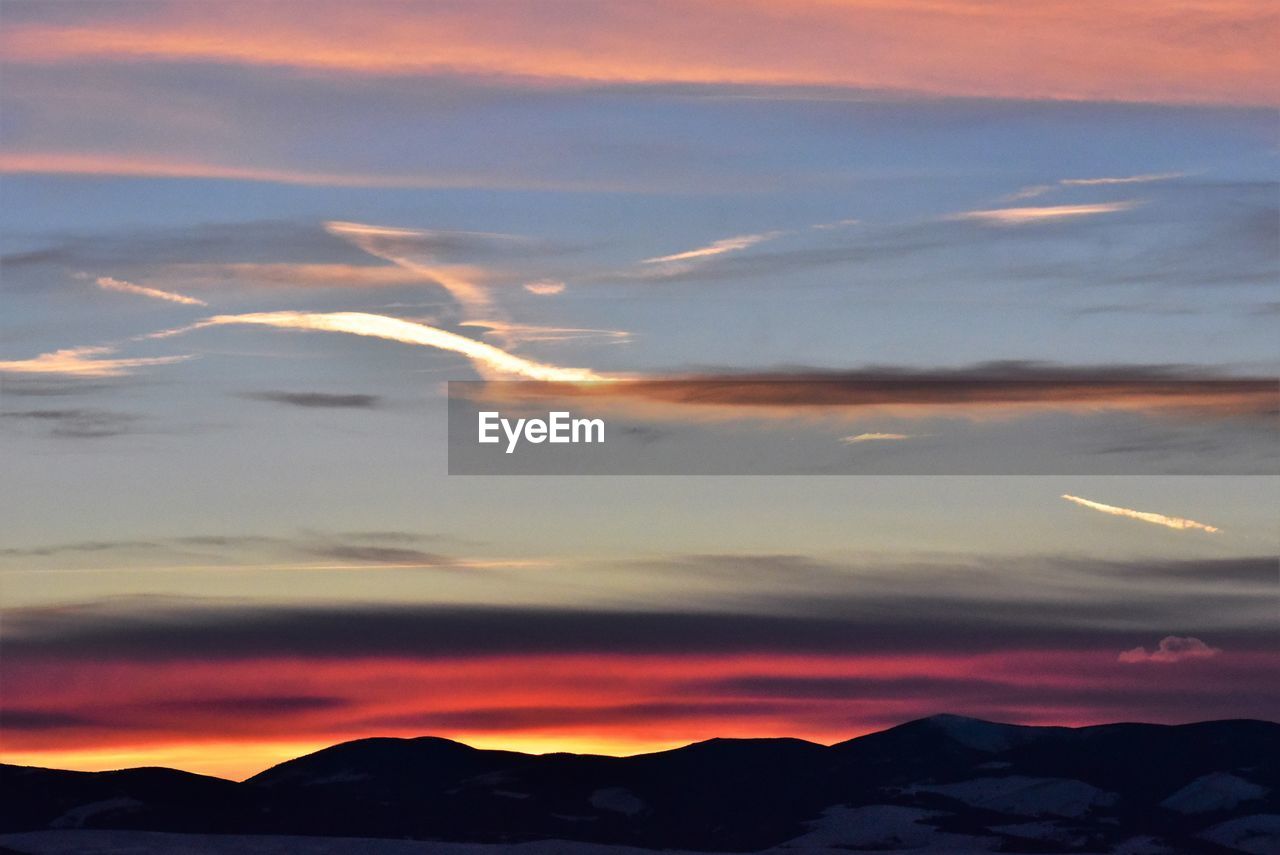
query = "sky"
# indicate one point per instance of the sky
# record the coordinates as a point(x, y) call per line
point(982, 295)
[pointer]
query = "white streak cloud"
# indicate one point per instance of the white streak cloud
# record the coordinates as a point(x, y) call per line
point(873, 437)
point(107, 283)
point(489, 361)
point(1018, 216)
point(1109, 181)
point(720, 247)
point(1125, 179)
point(1145, 516)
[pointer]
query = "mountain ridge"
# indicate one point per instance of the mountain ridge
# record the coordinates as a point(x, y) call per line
point(1026, 787)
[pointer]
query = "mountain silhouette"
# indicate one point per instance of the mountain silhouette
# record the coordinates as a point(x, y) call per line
point(944, 783)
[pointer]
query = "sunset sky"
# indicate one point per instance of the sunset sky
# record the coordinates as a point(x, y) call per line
point(243, 248)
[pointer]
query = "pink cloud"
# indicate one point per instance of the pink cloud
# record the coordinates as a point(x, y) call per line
point(1172, 648)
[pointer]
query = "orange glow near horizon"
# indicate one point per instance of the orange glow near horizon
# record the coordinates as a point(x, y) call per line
point(235, 718)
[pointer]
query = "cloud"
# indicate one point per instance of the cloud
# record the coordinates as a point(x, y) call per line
point(1172, 649)
point(511, 332)
point(798, 643)
point(317, 400)
point(1008, 387)
point(488, 360)
point(138, 166)
point(1124, 179)
point(1108, 181)
point(1021, 215)
point(78, 423)
point(398, 556)
point(309, 543)
point(1191, 234)
point(411, 250)
point(719, 247)
point(109, 284)
point(1145, 516)
point(89, 546)
point(795, 605)
point(84, 362)
point(1145, 54)
point(255, 705)
point(873, 437)
point(545, 287)
point(302, 275)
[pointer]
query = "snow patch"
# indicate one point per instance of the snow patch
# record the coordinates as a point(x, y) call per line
point(618, 800)
point(1216, 791)
point(977, 734)
point(77, 816)
point(884, 828)
point(1258, 834)
point(1025, 796)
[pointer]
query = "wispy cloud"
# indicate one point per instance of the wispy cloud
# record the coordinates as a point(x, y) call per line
point(1145, 516)
point(545, 287)
point(77, 423)
point(404, 248)
point(131, 166)
point(317, 400)
point(488, 360)
point(288, 275)
point(1005, 388)
point(873, 437)
point(1020, 215)
point(533, 332)
point(863, 45)
point(719, 247)
point(108, 283)
point(1106, 181)
point(1172, 648)
point(1124, 179)
point(84, 362)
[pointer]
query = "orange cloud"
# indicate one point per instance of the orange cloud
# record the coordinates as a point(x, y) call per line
point(111, 165)
point(1193, 51)
point(83, 362)
point(301, 275)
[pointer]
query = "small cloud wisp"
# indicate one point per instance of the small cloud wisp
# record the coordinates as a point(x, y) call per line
point(1021, 215)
